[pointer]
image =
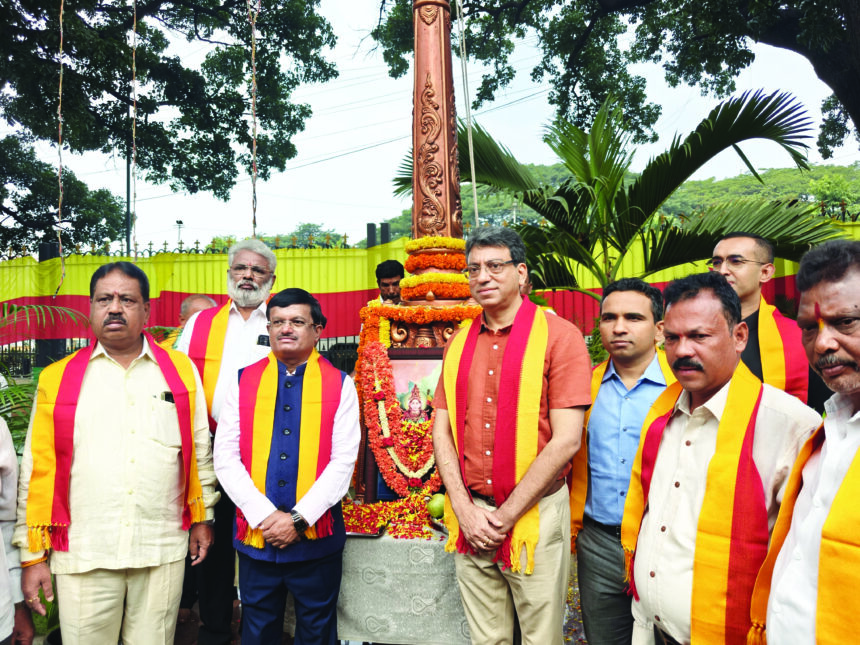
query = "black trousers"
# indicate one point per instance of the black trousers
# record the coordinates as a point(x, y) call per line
point(215, 576)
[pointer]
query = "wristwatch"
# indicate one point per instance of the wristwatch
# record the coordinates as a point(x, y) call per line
point(299, 522)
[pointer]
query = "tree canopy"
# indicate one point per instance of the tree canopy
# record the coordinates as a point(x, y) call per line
point(29, 200)
point(192, 129)
point(587, 46)
point(596, 218)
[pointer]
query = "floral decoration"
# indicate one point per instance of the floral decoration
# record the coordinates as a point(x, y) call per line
point(455, 261)
point(440, 290)
point(403, 448)
point(424, 278)
point(453, 243)
point(406, 518)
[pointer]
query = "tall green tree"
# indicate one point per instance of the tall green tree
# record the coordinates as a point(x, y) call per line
point(596, 218)
point(193, 129)
point(29, 200)
point(587, 49)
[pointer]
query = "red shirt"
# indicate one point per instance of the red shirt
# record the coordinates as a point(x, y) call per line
point(566, 384)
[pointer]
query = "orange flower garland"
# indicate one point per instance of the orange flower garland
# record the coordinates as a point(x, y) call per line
point(440, 290)
point(403, 449)
point(455, 261)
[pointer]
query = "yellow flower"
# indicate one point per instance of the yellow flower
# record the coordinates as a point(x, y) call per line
point(435, 243)
point(424, 278)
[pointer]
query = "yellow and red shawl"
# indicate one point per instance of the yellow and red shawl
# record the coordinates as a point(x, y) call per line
point(838, 559)
point(206, 347)
point(258, 393)
point(783, 361)
point(516, 437)
point(52, 443)
point(730, 546)
point(578, 478)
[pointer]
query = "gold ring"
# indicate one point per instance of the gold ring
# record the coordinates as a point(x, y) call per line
point(33, 599)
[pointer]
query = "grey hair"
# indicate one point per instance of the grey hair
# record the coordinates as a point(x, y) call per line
point(498, 236)
point(255, 246)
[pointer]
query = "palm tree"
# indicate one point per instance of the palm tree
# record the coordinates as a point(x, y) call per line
point(16, 399)
point(595, 219)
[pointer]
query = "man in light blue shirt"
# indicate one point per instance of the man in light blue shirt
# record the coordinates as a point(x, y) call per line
point(627, 385)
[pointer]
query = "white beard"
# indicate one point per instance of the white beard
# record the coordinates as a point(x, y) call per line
point(248, 298)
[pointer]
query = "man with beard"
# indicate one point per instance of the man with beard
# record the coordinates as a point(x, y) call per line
point(713, 459)
point(116, 472)
point(221, 341)
point(807, 587)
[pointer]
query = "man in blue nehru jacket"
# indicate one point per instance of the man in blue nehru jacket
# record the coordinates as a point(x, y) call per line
point(285, 449)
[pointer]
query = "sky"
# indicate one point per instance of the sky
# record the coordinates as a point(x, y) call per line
point(360, 131)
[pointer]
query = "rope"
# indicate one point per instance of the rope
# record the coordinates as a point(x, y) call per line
point(134, 129)
point(462, 27)
point(60, 158)
point(253, 13)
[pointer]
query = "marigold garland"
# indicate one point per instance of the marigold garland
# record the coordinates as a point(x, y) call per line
point(403, 449)
point(455, 261)
point(440, 290)
point(422, 243)
point(424, 278)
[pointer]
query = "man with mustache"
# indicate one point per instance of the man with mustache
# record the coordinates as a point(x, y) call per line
point(221, 341)
point(117, 468)
point(713, 459)
point(806, 589)
point(388, 276)
point(774, 352)
point(285, 450)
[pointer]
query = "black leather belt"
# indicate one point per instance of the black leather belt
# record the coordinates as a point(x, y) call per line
point(614, 531)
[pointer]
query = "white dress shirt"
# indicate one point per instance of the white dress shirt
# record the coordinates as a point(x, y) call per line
point(328, 489)
point(667, 537)
point(241, 348)
point(10, 563)
point(126, 493)
point(793, 600)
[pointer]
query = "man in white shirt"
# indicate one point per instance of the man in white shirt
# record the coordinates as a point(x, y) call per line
point(16, 624)
point(813, 564)
point(285, 450)
point(221, 341)
point(714, 456)
point(117, 467)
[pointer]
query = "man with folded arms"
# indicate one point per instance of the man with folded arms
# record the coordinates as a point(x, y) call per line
point(812, 570)
point(713, 459)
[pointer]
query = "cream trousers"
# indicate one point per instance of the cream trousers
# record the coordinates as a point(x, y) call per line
point(138, 605)
point(490, 594)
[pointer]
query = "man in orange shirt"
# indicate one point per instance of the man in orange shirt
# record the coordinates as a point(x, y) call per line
point(509, 414)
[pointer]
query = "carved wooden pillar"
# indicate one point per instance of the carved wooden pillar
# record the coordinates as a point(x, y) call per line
point(436, 208)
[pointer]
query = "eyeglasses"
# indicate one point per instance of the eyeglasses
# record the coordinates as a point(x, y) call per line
point(734, 261)
point(296, 323)
point(493, 266)
point(240, 269)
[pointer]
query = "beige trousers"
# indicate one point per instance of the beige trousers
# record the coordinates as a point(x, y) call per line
point(139, 605)
point(490, 594)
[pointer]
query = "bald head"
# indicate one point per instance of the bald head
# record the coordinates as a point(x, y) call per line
point(192, 304)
